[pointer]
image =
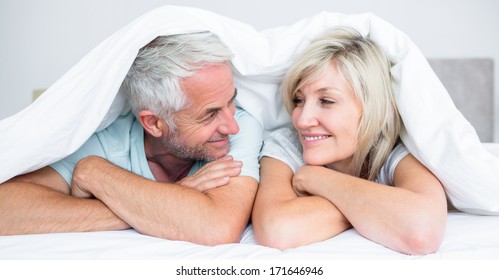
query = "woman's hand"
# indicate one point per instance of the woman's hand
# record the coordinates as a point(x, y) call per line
point(307, 178)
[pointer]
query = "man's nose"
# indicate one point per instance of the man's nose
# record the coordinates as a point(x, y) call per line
point(229, 124)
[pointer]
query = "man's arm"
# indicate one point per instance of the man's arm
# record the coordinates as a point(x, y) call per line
point(283, 220)
point(39, 202)
point(170, 211)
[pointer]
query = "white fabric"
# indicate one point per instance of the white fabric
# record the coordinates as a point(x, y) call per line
point(85, 99)
point(385, 175)
point(284, 144)
point(467, 237)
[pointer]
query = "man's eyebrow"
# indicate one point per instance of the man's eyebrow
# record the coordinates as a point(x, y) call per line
point(214, 109)
point(234, 96)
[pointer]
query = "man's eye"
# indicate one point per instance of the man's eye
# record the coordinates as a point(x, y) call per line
point(213, 114)
point(210, 117)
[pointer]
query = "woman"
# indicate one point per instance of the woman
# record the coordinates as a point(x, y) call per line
point(343, 164)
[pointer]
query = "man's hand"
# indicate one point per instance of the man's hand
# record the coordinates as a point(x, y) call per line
point(83, 173)
point(79, 191)
point(213, 174)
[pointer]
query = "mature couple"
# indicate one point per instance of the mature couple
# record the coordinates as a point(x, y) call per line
point(188, 164)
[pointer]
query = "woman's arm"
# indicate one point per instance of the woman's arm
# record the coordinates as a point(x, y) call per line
point(409, 217)
point(283, 220)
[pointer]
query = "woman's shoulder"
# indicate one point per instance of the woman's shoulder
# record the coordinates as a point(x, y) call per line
point(284, 144)
point(398, 152)
point(385, 175)
point(286, 132)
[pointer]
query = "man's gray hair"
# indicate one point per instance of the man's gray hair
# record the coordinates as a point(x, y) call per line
point(153, 81)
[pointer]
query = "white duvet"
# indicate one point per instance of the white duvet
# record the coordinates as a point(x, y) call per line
point(87, 97)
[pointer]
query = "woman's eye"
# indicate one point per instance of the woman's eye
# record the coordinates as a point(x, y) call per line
point(326, 101)
point(297, 101)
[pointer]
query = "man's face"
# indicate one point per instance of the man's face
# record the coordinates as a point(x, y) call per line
point(204, 126)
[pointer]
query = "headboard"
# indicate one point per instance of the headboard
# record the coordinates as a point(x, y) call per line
point(470, 84)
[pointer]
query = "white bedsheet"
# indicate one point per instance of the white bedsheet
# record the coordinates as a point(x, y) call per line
point(467, 237)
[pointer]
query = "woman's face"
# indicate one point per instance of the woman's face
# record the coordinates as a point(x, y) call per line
point(327, 116)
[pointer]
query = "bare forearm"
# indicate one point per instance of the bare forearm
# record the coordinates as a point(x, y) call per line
point(29, 209)
point(169, 210)
point(299, 221)
point(283, 220)
point(372, 209)
point(404, 220)
point(391, 217)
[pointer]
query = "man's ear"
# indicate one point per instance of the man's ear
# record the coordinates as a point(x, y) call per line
point(152, 123)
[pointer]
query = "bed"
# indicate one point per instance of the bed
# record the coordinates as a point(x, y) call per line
point(468, 236)
point(472, 231)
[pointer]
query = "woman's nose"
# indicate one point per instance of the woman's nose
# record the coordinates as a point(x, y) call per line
point(305, 117)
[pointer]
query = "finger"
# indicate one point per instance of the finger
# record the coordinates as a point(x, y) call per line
point(76, 192)
point(227, 158)
point(218, 170)
point(215, 183)
point(220, 173)
point(200, 180)
point(216, 165)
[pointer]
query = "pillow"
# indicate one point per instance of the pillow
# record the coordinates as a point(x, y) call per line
point(493, 148)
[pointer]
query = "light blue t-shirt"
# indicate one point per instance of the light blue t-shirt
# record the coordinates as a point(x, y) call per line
point(122, 143)
point(284, 145)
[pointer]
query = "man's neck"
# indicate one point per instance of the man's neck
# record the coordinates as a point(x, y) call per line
point(169, 172)
point(164, 166)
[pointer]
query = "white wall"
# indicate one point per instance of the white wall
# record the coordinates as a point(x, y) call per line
point(41, 39)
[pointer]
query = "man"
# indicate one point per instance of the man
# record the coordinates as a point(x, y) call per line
point(163, 170)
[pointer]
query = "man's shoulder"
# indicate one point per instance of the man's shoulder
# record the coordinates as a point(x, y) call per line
point(117, 139)
point(243, 118)
point(240, 112)
point(123, 122)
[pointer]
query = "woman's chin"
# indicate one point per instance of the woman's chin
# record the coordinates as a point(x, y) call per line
point(314, 161)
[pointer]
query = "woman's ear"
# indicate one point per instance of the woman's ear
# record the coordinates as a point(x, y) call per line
point(152, 123)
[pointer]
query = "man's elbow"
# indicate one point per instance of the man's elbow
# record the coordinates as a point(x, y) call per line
point(216, 235)
point(223, 230)
point(224, 234)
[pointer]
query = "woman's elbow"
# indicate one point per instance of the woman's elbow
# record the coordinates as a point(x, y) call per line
point(274, 233)
point(423, 241)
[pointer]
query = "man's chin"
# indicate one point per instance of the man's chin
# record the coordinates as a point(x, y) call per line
point(217, 154)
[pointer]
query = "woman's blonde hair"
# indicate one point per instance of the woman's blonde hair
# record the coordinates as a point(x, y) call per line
point(366, 67)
